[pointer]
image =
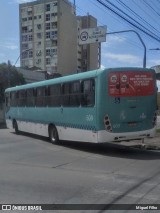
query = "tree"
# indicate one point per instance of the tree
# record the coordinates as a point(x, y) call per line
point(9, 77)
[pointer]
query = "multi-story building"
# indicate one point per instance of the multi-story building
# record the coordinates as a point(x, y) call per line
point(49, 38)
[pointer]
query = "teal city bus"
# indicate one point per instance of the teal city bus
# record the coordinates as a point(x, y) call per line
point(104, 105)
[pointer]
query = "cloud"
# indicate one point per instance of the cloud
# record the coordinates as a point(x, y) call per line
point(111, 39)
point(102, 66)
point(9, 45)
point(20, 1)
point(124, 58)
point(153, 62)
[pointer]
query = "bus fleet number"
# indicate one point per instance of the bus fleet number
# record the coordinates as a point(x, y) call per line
point(89, 117)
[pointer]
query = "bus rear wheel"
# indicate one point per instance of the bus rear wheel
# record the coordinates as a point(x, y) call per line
point(53, 135)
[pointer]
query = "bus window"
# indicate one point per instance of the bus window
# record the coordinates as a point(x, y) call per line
point(54, 95)
point(75, 93)
point(7, 100)
point(41, 96)
point(66, 94)
point(88, 93)
point(30, 98)
point(14, 98)
point(22, 98)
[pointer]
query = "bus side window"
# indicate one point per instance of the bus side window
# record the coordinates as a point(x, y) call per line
point(41, 97)
point(88, 93)
point(14, 98)
point(54, 95)
point(30, 98)
point(66, 94)
point(22, 98)
point(7, 99)
point(75, 95)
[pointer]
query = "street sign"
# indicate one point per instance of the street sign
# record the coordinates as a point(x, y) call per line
point(92, 35)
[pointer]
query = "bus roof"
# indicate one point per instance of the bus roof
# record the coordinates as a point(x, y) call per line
point(67, 78)
point(73, 77)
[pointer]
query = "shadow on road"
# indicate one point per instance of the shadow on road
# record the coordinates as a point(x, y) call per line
point(106, 149)
point(113, 150)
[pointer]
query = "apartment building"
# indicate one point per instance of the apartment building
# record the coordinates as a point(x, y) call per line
point(49, 38)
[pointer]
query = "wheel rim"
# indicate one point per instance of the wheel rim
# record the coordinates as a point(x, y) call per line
point(53, 135)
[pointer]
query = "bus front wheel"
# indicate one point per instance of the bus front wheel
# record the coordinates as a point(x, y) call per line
point(53, 135)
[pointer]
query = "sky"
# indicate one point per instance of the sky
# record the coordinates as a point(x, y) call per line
point(119, 50)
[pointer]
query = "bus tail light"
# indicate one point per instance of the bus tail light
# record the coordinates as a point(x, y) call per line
point(154, 121)
point(107, 124)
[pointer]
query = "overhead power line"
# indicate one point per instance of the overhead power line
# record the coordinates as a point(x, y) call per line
point(137, 15)
point(146, 31)
point(151, 7)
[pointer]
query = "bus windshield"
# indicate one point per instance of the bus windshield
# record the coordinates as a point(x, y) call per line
point(129, 83)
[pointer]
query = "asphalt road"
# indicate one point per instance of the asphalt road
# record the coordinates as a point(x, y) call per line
point(34, 171)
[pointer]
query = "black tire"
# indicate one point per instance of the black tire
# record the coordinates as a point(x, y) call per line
point(53, 135)
point(15, 126)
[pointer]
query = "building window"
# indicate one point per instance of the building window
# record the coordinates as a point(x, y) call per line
point(39, 16)
point(47, 35)
point(30, 18)
point(53, 34)
point(47, 52)
point(47, 17)
point(47, 7)
point(47, 26)
point(29, 13)
point(53, 25)
point(24, 37)
point(30, 54)
point(53, 14)
point(24, 29)
point(48, 61)
point(24, 46)
point(39, 44)
point(54, 43)
point(39, 35)
point(53, 52)
point(30, 38)
point(24, 19)
point(24, 55)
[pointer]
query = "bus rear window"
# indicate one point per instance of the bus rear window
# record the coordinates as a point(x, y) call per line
point(131, 83)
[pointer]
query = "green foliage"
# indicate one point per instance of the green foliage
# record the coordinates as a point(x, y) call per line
point(9, 77)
